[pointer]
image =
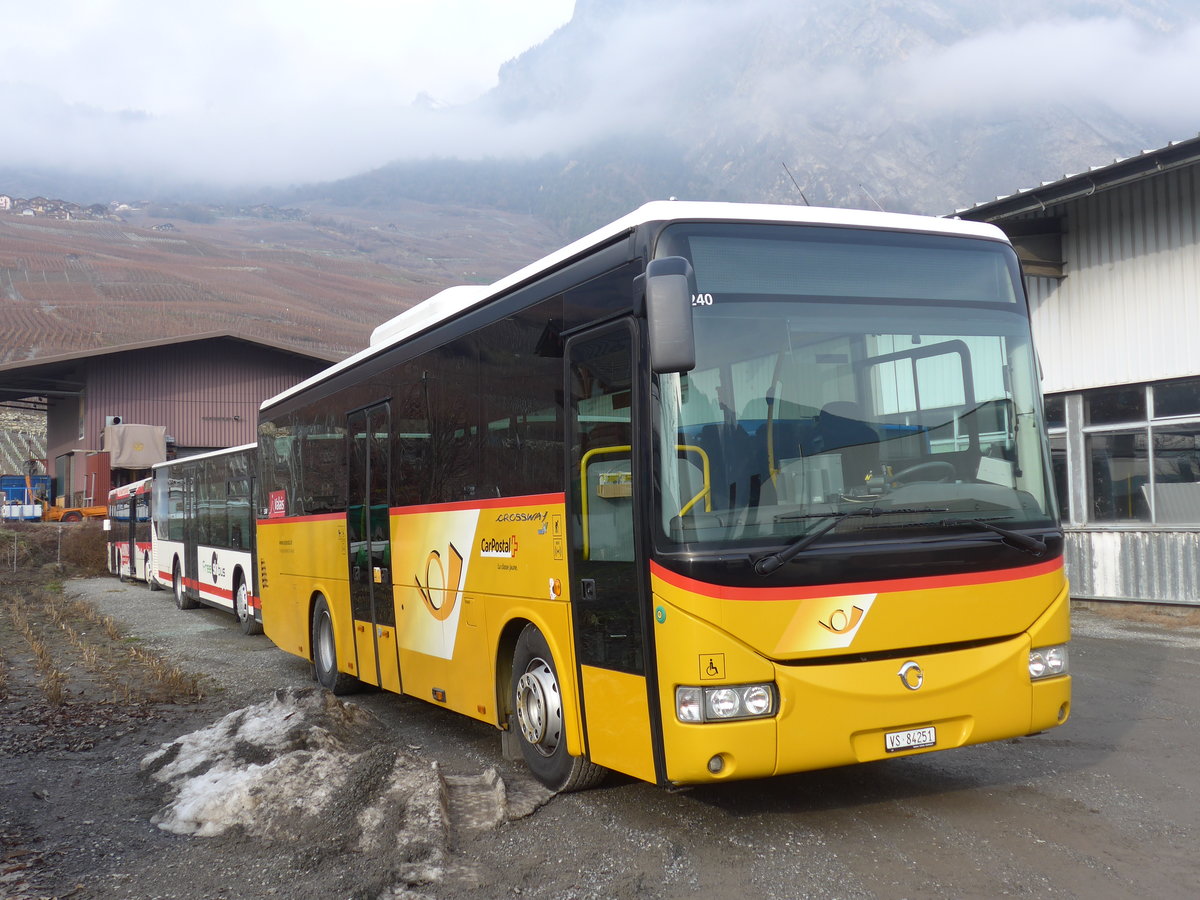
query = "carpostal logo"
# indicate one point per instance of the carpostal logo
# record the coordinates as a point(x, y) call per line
point(496, 547)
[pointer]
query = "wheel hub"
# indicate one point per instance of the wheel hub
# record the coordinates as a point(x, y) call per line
point(539, 707)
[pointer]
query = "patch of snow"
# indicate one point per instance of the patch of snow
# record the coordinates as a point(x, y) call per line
point(307, 769)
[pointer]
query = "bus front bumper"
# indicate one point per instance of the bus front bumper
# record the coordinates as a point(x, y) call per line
point(841, 713)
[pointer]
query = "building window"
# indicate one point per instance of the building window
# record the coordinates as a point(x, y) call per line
point(1058, 462)
point(1177, 398)
point(1118, 475)
point(1142, 449)
point(1115, 406)
point(1056, 414)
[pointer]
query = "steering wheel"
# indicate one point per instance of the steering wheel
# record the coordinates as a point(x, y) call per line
point(925, 472)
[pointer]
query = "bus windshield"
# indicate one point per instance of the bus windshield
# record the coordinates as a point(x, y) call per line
point(850, 386)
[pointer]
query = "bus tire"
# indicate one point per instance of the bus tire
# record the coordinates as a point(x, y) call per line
point(324, 652)
point(182, 600)
point(539, 719)
point(241, 607)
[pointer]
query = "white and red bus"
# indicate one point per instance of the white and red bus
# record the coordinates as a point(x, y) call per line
point(204, 545)
point(128, 524)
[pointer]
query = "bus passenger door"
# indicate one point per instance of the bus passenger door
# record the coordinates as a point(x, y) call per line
point(190, 534)
point(608, 576)
point(135, 504)
point(368, 532)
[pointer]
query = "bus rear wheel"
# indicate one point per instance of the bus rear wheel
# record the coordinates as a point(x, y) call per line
point(182, 600)
point(241, 606)
point(324, 652)
point(539, 718)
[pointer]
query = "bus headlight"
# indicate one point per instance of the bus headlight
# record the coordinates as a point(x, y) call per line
point(722, 704)
point(1046, 662)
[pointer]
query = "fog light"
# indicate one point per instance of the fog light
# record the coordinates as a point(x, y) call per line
point(715, 765)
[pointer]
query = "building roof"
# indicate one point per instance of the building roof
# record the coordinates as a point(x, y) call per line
point(1146, 164)
point(52, 376)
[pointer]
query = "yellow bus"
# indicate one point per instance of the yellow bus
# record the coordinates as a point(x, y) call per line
point(720, 491)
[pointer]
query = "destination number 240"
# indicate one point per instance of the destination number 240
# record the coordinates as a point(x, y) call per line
point(702, 299)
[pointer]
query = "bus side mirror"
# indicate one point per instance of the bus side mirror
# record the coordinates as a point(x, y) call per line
point(669, 315)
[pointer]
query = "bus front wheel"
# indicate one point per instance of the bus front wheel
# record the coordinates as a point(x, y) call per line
point(538, 714)
point(241, 606)
point(324, 652)
point(182, 600)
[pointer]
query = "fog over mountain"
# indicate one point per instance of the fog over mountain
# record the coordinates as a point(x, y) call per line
point(916, 105)
point(921, 105)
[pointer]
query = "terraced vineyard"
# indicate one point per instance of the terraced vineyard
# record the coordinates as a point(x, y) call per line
point(321, 283)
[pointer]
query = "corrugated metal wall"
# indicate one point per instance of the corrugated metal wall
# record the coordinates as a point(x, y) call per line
point(206, 394)
point(1150, 566)
point(1128, 312)
point(1129, 309)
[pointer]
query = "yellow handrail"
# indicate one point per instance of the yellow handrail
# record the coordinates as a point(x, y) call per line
point(705, 492)
point(583, 487)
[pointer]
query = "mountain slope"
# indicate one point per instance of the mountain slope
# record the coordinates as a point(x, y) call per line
point(920, 105)
point(320, 282)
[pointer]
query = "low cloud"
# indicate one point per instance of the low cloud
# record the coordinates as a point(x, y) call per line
point(646, 72)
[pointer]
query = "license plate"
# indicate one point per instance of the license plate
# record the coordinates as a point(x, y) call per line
point(910, 740)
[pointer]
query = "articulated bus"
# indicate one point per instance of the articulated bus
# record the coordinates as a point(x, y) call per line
point(720, 491)
point(128, 526)
point(204, 532)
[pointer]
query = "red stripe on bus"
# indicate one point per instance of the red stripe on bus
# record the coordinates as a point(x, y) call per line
point(861, 587)
point(491, 503)
point(254, 601)
point(495, 503)
point(210, 588)
point(319, 517)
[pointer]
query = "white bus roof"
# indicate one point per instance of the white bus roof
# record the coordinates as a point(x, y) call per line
point(207, 454)
point(456, 300)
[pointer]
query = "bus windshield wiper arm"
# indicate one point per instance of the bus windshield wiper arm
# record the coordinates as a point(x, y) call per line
point(765, 565)
point(1025, 542)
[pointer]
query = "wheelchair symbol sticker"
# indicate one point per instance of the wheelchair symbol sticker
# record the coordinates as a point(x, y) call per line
point(712, 666)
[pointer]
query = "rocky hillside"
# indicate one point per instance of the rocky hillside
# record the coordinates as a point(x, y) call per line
point(920, 105)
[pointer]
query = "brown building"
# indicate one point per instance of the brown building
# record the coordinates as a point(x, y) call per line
point(204, 390)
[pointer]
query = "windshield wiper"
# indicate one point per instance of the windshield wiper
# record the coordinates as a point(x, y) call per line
point(765, 565)
point(1025, 542)
point(1016, 539)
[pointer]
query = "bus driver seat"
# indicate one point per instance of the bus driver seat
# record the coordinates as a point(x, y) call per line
point(841, 429)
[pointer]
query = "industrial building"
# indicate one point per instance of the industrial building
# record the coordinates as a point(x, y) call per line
point(202, 391)
point(1112, 266)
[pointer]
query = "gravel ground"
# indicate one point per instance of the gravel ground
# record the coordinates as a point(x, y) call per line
point(1107, 806)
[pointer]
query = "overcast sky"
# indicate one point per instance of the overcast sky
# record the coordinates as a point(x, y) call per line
point(279, 89)
point(253, 92)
